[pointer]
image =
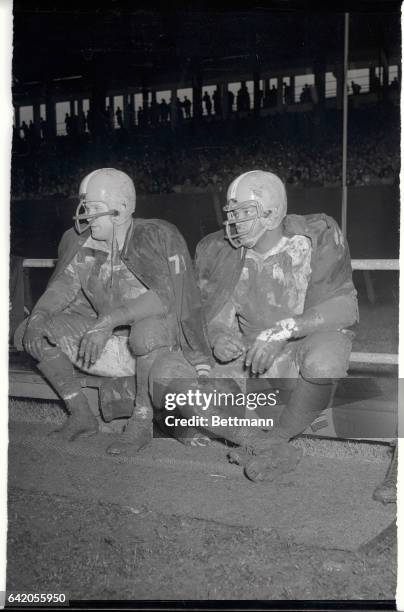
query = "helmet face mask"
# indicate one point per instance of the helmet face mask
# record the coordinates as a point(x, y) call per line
point(89, 212)
point(242, 221)
point(256, 203)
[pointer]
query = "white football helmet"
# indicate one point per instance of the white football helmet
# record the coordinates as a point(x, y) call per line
point(256, 202)
point(108, 186)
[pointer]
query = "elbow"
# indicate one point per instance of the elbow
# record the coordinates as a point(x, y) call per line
point(353, 310)
point(348, 312)
point(338, 313)
point(153, 306)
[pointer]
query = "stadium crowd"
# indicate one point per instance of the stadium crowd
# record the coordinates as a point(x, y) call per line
point(211, 161)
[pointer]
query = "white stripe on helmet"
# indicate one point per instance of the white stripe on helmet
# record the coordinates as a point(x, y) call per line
point(86, 179)
point(236, 183)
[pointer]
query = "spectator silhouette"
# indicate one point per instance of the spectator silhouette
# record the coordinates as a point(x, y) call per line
point(394, 85)
point(164, 111)
point(68, 124)
point(208, 103)
point(230, 100)
point(217, 104)
point(270, 97)
point(243, 98)
point(356, 89)
point(246, 98)
point(287, 93)
point(118, 114)
point(187, 107)
point(24, 130)
point(305, 94)
point(42, 128)
point(140, 118)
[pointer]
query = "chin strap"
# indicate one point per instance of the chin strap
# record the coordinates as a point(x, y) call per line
point(112, 256)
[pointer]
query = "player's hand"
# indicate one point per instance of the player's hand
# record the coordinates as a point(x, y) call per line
point(38, 328)
point(92, 344)
point(261, 355)
point(227, 347)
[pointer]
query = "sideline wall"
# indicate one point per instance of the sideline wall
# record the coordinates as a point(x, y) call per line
point(373, 218)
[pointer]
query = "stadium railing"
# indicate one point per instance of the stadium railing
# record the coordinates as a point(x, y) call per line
point(357, 264)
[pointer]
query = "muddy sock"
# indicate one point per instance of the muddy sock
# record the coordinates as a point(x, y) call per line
point(59, 372)
point(306, 402)
point(137, 433)
point(80, 423)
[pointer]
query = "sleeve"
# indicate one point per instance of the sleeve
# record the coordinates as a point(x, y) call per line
point(155, 255)
point(339, 312)
point(192, 320)
point(331, 266)
point(331, 297)
point(224, 321)
point(61, 291)
point(205, 257)
point(176, 286)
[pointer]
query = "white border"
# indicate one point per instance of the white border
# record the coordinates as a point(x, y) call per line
point(400, 479)
point(6, 119)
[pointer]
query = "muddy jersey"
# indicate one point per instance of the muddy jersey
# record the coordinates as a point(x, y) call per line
point(157, 257)
point(272, 286)
point(95, 282)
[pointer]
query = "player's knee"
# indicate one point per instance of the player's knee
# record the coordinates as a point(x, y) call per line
point(44, 350)
point(327, 356)
point(172, 366)
point(149, 335)
point(170, 373)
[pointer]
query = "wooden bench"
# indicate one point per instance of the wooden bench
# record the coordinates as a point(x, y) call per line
point(25, 381)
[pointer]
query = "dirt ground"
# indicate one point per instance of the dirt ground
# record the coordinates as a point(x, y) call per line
point(97, 550)
point(98, 528)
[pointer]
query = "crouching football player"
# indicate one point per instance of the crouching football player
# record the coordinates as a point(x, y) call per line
point(279, 299)
point(123, 293)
